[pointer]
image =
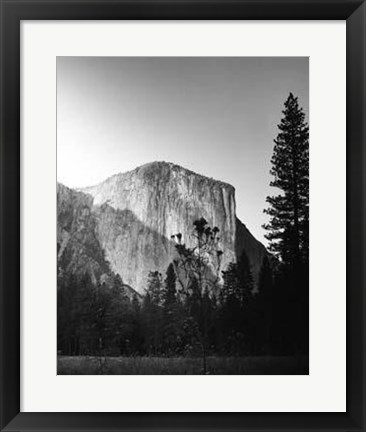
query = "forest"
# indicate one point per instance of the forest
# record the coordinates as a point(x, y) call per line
point(175, 321)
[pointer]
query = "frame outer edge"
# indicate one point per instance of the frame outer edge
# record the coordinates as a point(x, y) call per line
point(356, 212)
point(10, 216)
point(10, 15)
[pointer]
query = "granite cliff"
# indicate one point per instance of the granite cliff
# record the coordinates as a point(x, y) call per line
point(131, 216)
point(79, 250)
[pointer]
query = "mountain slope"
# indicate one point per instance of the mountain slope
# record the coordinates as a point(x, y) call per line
point(79, 250)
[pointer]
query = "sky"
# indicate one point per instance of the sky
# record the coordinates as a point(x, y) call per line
point(216, 116)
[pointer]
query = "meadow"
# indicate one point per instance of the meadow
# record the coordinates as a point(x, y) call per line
point(265, 365)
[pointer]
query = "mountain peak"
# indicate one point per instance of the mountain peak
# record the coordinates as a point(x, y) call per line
point(163, 170)
point(167, 171)
point(159, 164)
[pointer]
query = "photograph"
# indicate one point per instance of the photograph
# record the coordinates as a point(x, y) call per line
point(182, 215)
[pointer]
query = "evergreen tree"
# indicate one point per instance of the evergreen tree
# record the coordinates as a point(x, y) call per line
point(264, 307)
point(66, 316)
point(170, 311)
point(245, 278)
point(231, 283)
point(82, 315)
point(155, 287)
point(237, 306)
point(136, 334)
point(289, 210)
point(152, 313)
point(288, 230)
point(135, 304)
point(117, 317)
point(238, 281)
point(170, 291)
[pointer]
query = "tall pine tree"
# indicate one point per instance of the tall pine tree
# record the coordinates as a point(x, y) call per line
point(170, 291)
point(289, 210)
point(171, 313)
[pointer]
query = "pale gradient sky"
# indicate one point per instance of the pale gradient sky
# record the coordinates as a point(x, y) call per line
point(217, 116)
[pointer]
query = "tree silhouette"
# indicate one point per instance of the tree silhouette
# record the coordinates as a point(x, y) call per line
point(288, 229)
point(197, 269)
point(152, 311)
point(264, 306)
point(237, 304)
point(170, 291)
point(172, 314)
point(289, 210)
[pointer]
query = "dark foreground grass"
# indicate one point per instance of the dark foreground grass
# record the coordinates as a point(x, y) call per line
point(84, 365)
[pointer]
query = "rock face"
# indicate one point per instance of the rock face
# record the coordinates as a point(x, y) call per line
point(79, 250)
point(246, 242)
point(134, 214)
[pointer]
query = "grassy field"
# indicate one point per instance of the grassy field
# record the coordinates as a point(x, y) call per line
point(181, 365)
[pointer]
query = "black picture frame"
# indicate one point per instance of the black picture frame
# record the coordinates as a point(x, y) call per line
point(12, 12)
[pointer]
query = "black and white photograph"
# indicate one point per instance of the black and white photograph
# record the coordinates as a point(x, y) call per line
point(182, 215)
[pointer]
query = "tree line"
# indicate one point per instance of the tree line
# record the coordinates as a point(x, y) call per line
point(171, 319)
